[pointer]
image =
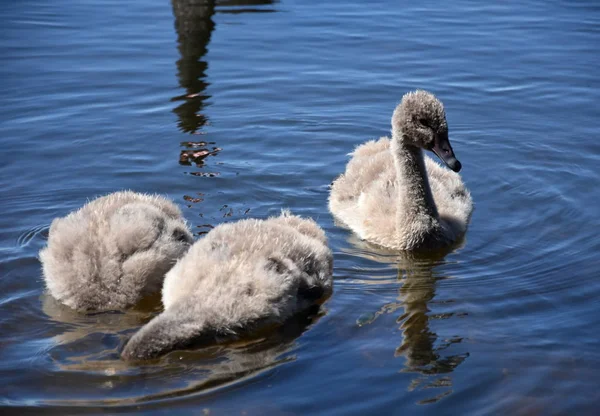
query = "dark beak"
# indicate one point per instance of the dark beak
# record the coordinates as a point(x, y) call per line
point(441, 147)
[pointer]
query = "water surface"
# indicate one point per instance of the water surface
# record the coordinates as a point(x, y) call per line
point(241, 108)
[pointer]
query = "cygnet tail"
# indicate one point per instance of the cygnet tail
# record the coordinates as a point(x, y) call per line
point(165, 333)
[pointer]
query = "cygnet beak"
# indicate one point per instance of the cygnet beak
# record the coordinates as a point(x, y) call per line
point(441, 147)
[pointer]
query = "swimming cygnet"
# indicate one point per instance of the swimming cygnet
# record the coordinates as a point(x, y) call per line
point(394, 196)
point(115, 249)
point(242, 277)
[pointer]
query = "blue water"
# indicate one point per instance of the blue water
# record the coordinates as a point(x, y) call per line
point(242, 108)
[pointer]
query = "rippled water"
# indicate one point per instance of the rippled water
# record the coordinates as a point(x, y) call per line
point(245, 107)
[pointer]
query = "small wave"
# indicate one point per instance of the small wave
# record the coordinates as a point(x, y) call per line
point(28, 235)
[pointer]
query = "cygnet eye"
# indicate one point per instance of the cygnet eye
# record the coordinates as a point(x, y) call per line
point(181, 236)
point(424, 122)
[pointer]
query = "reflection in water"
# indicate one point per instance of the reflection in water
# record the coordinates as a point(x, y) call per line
point(78, 349)
point(86, 341)
point(245, 358)
point(194, 25)
point(423, 353)
point(244, 6)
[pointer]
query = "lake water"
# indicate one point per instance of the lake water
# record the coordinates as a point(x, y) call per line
point(245, 107)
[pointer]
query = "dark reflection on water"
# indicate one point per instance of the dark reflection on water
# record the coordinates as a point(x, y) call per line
point(424, 353)
point(209, 368)
point(245, 6)
point(194, 25)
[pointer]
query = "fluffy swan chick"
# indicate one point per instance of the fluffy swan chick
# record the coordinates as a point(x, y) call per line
point(113, 250)
point(394, 196)
point(242, 277)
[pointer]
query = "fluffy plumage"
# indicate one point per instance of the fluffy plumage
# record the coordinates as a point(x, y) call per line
point(241, 277)
point(113, 250)
point(394, 196)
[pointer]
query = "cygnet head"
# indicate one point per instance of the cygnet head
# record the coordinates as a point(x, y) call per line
point(420, 121)
point(150, 241)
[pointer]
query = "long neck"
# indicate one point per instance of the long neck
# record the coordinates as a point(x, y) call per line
point(414, 195)
point(166, 332)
